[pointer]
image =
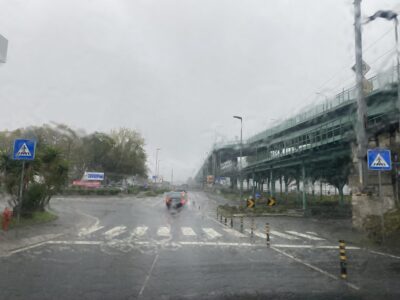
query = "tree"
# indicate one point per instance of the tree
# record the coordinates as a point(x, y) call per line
point(43, 178)
point(129, 157)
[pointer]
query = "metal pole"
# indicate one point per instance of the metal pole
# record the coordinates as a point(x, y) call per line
point(361, 106)
point(396, 23)
point(381, 202)
point(20, 192)
point(240, 163)
point(172, 176)
point(155, 180)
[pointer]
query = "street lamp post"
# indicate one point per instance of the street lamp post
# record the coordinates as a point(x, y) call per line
point(240, 160)
point(156, 171)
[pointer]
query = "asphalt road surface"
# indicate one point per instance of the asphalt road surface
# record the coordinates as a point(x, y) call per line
point(135, 249)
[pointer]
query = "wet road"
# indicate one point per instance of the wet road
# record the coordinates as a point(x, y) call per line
point(136, 249)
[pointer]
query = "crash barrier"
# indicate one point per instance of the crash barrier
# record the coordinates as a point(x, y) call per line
point(343, 259)
point(7, 215)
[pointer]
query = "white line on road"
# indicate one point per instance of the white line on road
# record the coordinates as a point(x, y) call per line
point(140, 231)
point(314, 268)
point(219, 244)
point(211, 233)
point(116, 231)
point(90, 230)
point(313, 247)
point(25, 248)
point(188, 231)
point(311, 232)
point(163, 231)
point(257, 233)
point(381, 253)
point(74, 242)
point(283, 235)
point(234, 232)
point(307, 236)
point(148, 275)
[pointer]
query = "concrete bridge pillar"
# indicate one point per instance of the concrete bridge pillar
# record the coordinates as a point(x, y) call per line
point(305, 185)
point(272, 179)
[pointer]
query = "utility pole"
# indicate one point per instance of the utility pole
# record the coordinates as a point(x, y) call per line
point(172, 176)
point(361, 123)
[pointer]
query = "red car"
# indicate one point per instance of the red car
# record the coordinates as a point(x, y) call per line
point(175, 200)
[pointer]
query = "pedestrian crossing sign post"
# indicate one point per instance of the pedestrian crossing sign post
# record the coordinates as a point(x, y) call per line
point(379, 160)
point(23, 150)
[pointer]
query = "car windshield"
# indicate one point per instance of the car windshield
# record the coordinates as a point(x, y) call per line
point(199, 149)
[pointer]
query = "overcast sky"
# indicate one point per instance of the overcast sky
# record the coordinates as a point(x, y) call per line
point(177, 71)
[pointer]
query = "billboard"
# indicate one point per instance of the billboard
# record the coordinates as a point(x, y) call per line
point(96, 176)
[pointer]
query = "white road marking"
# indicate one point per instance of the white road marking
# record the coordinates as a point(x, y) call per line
point(283, 235)
point(140, 230)
point(163, 231)
point(84, 231)
point(307, 236)
point(313, 247)
point(148, 275)
point(381, 253)
point(188, 231)
point(353, 286)
point(211, 233)
point(234, 232)
point(24, 249)
point(74, 242)
point(218, 244)
point(90, 230)
point(311, 232)
point(114, 232)
point(257, 233)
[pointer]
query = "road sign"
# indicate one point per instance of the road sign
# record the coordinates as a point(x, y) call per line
point(24, 149)
point(271, 201)
point(365, 68)
point(93, 176)
point(250, 203)
point(379, 159)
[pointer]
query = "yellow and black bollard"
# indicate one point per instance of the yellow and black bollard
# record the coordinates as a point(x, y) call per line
point(343, 259)
point(241, 224)
point(267, 233)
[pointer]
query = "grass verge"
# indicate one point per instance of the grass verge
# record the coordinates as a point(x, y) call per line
point(35, 218)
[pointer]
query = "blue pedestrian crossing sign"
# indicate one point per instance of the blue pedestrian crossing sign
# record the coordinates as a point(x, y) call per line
point(379, 159)
point(24, 149)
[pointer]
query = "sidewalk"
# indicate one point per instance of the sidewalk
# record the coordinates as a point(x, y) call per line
point(68, 221)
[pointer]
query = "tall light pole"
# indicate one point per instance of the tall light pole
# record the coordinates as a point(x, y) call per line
point(156, 171)
point(240, 160)
point(361, 124)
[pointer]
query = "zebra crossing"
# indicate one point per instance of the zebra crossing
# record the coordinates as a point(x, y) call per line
point(208, 233)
